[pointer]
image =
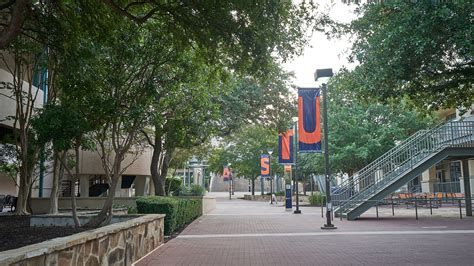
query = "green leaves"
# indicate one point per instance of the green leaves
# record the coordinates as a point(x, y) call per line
point(243, 149)
point(420, 49)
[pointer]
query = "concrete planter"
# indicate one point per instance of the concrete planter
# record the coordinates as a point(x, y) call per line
point(121, 243)
point(41, 205)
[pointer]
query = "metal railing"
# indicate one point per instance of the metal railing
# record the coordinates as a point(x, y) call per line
point(451, 187)
point(400, 159)
point(389, 205)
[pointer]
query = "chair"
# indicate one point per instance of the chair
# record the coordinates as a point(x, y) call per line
point(2, 201)
point(439, 197)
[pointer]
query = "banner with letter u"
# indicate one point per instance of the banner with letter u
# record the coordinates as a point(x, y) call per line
point(309, 124)
point(264, 165)
point(285, 147)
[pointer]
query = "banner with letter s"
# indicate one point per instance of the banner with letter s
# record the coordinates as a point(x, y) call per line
point(309, 124)
point(264, 165)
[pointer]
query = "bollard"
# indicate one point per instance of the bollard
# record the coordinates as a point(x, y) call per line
point(460, 209)
point(340, 213)
point(377, 209)
point(393, 210)
point(322, 211)
point(416, 209)
point(431, 208)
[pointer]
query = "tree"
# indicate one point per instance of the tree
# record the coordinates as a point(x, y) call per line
point(67, 129)
point(243, 149)
point(420, 49)
point(22, 59)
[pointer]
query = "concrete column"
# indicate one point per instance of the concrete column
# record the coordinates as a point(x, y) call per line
point(428, 178)
point(118, 189)
point(467, 186)
point(151, 185)
point(84, 186)
point(140, 183)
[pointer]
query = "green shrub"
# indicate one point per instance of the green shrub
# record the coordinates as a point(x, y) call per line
point(132, 210)
point(179, 212)
point(172, 185)
point(316, 199)
point(197, 190)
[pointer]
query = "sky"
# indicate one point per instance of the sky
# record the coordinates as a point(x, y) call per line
point(321, 52)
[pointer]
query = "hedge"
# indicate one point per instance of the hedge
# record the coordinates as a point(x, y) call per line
point(316, 199)
point(179, 212)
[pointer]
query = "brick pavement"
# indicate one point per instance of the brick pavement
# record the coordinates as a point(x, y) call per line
point(254, 233)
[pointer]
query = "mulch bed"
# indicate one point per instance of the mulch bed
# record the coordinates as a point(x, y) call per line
point(15, 232)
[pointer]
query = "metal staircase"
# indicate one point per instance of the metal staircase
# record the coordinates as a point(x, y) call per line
point(401, 164)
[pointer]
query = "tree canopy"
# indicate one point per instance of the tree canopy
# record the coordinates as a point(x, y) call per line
point(420, 49)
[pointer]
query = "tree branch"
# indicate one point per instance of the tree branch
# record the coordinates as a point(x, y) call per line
point(13, 29)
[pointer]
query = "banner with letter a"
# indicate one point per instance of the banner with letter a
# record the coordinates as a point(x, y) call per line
point(285, 147)
point(309, 124)
point(264, 165)
point(226, 173)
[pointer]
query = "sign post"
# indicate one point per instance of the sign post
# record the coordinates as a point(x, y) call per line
point(288, 202)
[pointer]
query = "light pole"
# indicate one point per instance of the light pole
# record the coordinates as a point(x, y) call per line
point(297, 211)
point(326, 73)
point(270, 151)
point(230, 181)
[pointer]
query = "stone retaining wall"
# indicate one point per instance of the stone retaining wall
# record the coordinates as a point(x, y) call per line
point(117, 244)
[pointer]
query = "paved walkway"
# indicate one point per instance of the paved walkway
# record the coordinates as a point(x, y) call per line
point(241, 232)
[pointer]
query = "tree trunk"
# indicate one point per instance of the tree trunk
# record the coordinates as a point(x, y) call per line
point(105, 214)
point(253, 187)
point(165, 163)
point(23, 192)
point(10, 32)
point(312, 184)
point(53, 198)
point(154, 166)
point(74, 177)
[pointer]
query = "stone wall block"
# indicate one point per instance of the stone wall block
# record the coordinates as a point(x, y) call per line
point(51, 259)
point(79, 255)
point(65, 256)
point(103, 246)
point(116, 257)
point(92, 261)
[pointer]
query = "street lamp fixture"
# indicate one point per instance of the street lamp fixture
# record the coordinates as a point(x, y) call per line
point(318, 75)
point(270, 151)
point(297, 211)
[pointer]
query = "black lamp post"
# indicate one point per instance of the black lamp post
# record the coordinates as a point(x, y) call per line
point(297, 211)
point(230, 181)
point(270, 151)
point(326, 73)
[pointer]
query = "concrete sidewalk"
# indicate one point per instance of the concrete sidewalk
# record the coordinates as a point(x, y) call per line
point(242, 232)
